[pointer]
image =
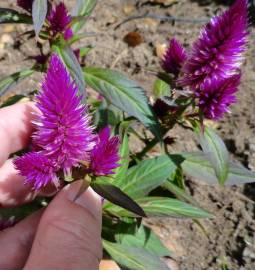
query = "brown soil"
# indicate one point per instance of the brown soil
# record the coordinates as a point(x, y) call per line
point(234, 222)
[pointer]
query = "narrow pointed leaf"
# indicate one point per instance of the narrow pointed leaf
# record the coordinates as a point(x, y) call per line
point(161, 89)
point(12, 100)
point(39, 12)
point(83, 8)
point(215, 149)
point(74, 67)
point(12, 16)
point(134, 258)
point(179, 192)
point(145, 238)
point(147, 175)
point(9, 81)
point(116, 196)
point(198, 166)
point(124, 94)
point(163, 207)
point(121, 171)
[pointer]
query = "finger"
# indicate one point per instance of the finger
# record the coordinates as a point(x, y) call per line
point(69, 234)
point(16, 242)
point(14, 192)
point(15, 128)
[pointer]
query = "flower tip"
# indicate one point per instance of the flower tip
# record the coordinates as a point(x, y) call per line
point(105, 156)
point(174, 57)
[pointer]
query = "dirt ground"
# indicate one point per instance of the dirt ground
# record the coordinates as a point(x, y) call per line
point(231, 234)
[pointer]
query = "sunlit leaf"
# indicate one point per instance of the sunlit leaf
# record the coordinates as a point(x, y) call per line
point(39, 12)
point(198, 166)
point(133, 258)
point(12, 16)
point(216, 151)
point(145, 238)
point(82, 8)
point(10, 80)
point(179, 192)
point(124, 94)
point(163, 207)
point(121, 171)
point(161, 89)
point(147, 175)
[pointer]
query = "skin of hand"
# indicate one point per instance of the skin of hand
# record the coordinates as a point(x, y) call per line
point(66, 234)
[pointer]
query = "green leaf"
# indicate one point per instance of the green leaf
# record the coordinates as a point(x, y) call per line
point(12, 100)
point(124, 94)
point(12, 16)
point(161, 89)
point(164, 207)
point(145, 238)
point(9, 81)
point(39, 12)
point(198, 166)
point(179, 192)
point(147, 175)
point(74, 67)
point(121, 171)
point(116, 196)
point(82, 8)
point(133, 258)
point(215, 149)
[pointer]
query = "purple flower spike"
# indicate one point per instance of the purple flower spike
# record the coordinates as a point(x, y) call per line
point(25, 4)
point(63, 135)
point(217, 95)
point(59, 21)
point(63, 128)
point(104, 156)
point(174, 57)
point(37, 169)
point(218, 53)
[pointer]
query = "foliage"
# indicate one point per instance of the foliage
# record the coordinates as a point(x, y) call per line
point(143, 185)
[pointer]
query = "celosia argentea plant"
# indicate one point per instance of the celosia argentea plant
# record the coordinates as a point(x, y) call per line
point(80, 137)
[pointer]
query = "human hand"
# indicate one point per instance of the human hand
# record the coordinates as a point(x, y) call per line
point(65, 235)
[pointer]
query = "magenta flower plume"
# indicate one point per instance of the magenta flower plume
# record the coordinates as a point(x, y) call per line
point(59, 21)
point(63, 129)
point(174, 57)
point(218, 53)
point(63, 135)
point(216, 96)
point(37, 169)
point(25, 4)
point(104, 156)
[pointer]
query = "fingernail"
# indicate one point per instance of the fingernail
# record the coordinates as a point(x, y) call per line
point(89, 199)
point(72, 192)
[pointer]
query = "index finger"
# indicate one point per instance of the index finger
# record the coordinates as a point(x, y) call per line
point(15, 128)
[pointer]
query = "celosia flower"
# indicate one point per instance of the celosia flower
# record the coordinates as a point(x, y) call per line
point(63, 136)
point(59, 21)
point(63, 129)
point(25, 4)
point(174, 57)
point(37, 169)
point(7, 223)
point(218, 53)
point(216, 96)
point(104, 156)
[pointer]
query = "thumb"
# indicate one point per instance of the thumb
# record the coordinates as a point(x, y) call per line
point(69, 233)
